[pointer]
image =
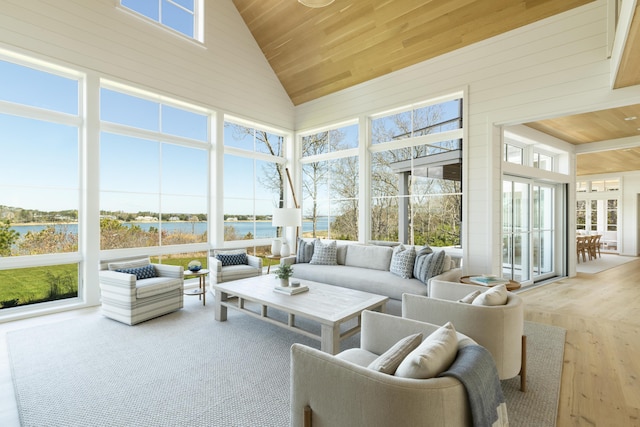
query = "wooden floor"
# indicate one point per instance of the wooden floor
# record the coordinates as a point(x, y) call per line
point(600, 379)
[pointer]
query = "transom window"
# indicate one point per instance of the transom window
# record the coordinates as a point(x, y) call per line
point(182, 16)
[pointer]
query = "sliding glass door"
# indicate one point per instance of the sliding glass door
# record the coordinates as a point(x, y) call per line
point(528, 230)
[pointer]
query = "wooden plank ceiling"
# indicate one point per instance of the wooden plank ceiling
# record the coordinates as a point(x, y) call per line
point(315, 52)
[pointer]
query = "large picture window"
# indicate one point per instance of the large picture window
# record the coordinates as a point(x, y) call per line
point(330, 182)
point(39, 183)
point(153, 173)
point(416, 163)
point(254, 180)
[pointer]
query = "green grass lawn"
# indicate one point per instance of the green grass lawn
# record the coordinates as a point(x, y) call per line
point(32, 285)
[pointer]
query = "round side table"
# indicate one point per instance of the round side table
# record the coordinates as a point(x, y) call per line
point(201, 290)
point(511, 286)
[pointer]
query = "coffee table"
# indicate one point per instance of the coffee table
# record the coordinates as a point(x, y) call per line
point(328, 305)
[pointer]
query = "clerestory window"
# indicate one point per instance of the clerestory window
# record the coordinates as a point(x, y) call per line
point(183, 16)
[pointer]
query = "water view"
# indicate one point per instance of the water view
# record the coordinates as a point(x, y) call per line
point(263, 229)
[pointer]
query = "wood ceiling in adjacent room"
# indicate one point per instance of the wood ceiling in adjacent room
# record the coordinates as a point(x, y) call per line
point(598, 126)
point(316, 52)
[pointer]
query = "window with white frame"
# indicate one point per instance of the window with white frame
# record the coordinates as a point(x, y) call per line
point(39, 182)
point(183, 16)
point(153, 171)
point(254, 180)
point(330, 183)
point(416, 163)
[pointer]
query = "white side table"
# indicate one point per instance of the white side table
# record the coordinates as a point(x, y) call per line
point(201, 290)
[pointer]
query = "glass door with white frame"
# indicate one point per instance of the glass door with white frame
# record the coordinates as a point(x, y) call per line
point(528, 230)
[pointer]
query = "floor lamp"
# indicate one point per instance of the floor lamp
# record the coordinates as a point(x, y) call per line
point(288, 217)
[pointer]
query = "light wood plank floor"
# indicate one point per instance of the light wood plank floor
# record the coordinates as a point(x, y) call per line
point(601, 362)
point(602, 351)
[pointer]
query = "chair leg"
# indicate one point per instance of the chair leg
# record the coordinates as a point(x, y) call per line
point(307, 416)
point(523, 365)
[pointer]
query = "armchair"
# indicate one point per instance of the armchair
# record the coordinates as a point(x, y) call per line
point(497, 328)
point(341, 391)
point(238, 265)
point(130, 298)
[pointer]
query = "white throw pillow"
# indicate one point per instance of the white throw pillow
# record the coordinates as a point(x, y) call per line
point(388, 362)
point(324, 253)
point(494, 296)
point(470, 298)
point(402, 261)
point(436, 353)
point(143, 262)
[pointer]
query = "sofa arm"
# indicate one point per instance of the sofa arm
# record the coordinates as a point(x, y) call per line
point(215, 265)
point(167, 270)
point(116, 279)
point(254, 261)
point(290, 260)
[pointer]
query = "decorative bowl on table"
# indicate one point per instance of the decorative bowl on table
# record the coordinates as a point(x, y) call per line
point(194, 266)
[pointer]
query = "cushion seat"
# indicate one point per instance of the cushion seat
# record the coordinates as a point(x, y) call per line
point(361, 279)
point(156, 285)
point(241, 271)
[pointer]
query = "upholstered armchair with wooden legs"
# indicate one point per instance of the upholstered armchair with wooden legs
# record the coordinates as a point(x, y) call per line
point(341, 391)
point(499, 329)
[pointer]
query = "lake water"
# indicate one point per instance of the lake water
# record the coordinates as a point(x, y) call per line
point(262, 229)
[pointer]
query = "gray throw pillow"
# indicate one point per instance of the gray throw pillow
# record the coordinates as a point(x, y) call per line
point(324, 254)
point(428, 266)
point(402, 261)
point(305, 251)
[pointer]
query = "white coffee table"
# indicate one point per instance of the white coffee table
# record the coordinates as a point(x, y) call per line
point(328, 305)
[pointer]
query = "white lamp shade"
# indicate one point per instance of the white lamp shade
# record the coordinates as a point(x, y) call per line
point(316, 3)
point(287, 217)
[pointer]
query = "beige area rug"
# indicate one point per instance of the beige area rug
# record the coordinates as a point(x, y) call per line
point(605, 262)
point(186, 369)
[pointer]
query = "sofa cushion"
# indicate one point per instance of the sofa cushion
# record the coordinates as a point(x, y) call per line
point(402, 261)
point(361, 279)
point(324, 253)
point(428, 266)
point(341, 254)
point(388, 362)
point(232, 259)
point(146, 272)
point(368, 256)
point(494, 296)
point(113, 266)
point(436, 353)
point(157, 285)
point(305, 251)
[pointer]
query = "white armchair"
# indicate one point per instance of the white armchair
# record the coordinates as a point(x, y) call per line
point(336, 391)
point(130, 300)
point(250, 267)
point(497, 328)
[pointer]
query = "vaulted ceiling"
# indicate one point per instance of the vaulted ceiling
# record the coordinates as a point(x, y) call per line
point(316, 52)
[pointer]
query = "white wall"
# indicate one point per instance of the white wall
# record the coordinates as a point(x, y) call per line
point(228, 72)
point(553, 67)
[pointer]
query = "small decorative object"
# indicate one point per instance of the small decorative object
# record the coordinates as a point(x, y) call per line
point(285, 250)
point(194, 265)
point(275, 247)
point(295, 283)
point(284, 272)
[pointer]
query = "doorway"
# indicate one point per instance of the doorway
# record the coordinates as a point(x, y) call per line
point(529, 230)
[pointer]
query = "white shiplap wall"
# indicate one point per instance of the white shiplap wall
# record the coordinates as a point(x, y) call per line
point(552, 67)
point(228, 72)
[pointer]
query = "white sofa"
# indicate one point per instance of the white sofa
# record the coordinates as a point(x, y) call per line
point(497, 328)
point(130, 300)
point(340, 391)
point(367, 268)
